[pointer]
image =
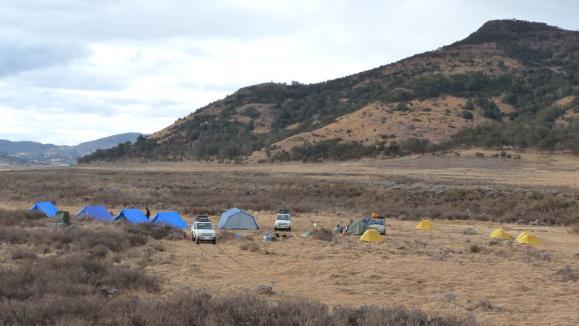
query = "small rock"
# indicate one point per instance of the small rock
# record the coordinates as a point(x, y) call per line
point(449, 297)
point(108, 292)
point(264, 289)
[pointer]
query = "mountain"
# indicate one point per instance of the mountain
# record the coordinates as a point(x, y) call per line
point(33, 153)
point(107, 142)
point(510, 83)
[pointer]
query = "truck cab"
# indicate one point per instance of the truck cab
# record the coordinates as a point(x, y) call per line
point(203, 231)
point(283, 222)
point(377, 223)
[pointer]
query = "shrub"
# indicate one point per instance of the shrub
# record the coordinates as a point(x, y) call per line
point(467, 115)
point(156, 231)
point(23, 254)
point(19, 217)
point(250, 246)
point(567, 274)
point(322, 234)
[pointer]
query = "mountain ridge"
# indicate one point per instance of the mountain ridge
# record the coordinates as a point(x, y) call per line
point(504, 79)
point(36, 153)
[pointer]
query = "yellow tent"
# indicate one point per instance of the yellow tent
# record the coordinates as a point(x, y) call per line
point(371, 235)
point(500, 234)
point(521, 235)
point(424, 225)
point(528, 238)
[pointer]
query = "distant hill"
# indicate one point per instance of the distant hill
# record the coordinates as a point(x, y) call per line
point(107, 142)
point(33, 153)
point(510, 83)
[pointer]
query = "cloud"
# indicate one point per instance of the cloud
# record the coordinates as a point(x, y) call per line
point(18, 57)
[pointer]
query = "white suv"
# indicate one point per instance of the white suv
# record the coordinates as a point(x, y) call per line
point(203, 231)
point(283, 222)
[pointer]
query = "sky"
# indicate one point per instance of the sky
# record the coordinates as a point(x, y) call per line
point(78, 70)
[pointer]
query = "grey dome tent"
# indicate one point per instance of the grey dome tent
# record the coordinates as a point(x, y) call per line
point(236, 219)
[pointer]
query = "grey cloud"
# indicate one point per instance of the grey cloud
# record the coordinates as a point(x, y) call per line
point(19, 57)
point(71, 78)
point(137, 20)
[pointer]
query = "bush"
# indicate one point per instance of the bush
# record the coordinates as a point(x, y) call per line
point(72, 276)
point(250, 246)
point(322, 234)
point(23, 254)
point(204, 309)
point(567, 274)
point(155, 231)
point(20, 217)
point(467, 115)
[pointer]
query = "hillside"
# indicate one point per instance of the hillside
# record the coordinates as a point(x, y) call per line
point(33, 153)
point(510, 83)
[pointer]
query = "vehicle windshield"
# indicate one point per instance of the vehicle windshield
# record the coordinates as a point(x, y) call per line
point(379, 221)
point(204, 226)
point(283, 217)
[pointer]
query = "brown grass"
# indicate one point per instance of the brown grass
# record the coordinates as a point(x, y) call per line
point(214, 191)
point(452, 270)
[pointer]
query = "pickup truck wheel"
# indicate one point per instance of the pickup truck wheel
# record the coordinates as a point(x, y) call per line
point(275, 229)
point(197, 241)
point(289, 229)
point(192, 238)
point(214, 241)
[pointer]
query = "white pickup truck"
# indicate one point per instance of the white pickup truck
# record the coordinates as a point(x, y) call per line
point(202, 230)
point(283, 222)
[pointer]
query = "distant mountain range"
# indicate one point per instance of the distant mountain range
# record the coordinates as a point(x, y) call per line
point(33, 153)
point(509, 84)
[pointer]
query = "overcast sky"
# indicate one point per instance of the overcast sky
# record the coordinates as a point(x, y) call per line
point(77, 70)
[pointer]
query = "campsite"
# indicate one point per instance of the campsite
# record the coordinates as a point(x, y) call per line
point(289, 163)
point(455, 267)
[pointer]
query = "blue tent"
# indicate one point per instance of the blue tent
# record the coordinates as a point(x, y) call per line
point(45, 207)
point(236, 219)
point(98, 212)
point(169, 218)
point(132, 215)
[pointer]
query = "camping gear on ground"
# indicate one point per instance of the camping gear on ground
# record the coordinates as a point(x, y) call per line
point(45, 207)
point(424, 225)
point(528, 238)
point(62, 218)
point(236, 219)
point(98, 212)
point(372, 235)
point(307, 234)
point(132, 215)
point(267, 236)
point(500, 234)
point(171, 218)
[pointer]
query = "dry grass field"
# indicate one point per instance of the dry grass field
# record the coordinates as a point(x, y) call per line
point(453, 270)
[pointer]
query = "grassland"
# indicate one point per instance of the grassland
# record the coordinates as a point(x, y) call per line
point(454, 271)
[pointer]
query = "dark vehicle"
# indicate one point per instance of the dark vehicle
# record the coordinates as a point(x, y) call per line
point(284, 212)
point(201, 218)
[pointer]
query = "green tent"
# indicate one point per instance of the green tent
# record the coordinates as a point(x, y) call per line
point(358, 227)
point(62, 218)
